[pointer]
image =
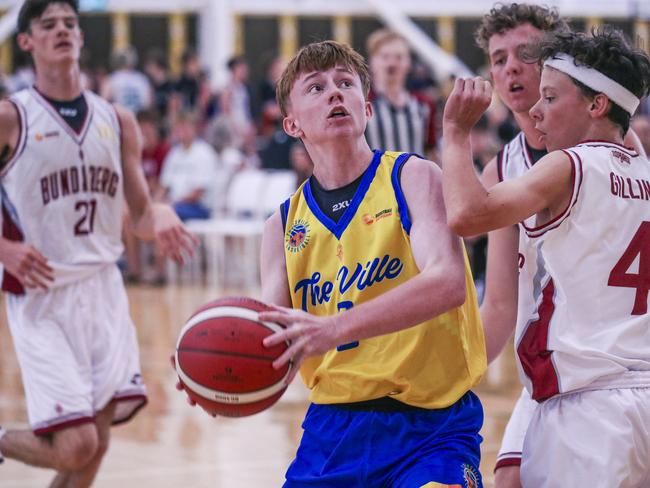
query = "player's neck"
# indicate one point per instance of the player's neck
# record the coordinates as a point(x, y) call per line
point(603, 130)
point(339, 163)
point(527, 126)
point(59, 83)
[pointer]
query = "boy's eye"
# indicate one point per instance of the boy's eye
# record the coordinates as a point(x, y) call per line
point(549, 99)
point(314, 88)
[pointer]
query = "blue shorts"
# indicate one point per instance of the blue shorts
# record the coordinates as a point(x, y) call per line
point(409, 448)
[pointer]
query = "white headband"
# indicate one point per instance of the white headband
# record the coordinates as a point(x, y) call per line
point(595, 80)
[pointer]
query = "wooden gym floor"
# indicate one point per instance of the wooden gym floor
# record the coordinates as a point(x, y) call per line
point(170, 445)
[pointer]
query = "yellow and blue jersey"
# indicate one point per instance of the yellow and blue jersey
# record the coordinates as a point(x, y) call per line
point(334, 266)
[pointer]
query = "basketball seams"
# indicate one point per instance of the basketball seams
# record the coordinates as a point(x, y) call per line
point(227, 353)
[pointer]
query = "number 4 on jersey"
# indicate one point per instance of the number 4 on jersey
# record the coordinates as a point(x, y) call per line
point(639, 246)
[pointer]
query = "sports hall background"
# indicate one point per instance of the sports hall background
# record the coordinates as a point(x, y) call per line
point(182, 47)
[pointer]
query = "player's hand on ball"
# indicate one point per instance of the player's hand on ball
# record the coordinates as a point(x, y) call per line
point(467, 102)
point(309, 335)
point(179, 384)
point(26, 263)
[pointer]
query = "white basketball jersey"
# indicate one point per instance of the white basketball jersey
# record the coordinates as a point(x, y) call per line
point(62, 191)
point(592, 280)
point(513, 161)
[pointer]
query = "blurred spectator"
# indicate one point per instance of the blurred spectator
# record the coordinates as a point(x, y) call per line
point(154, 148)
point(235, 99)
point(156, 69)
point(188, 85)
point(400, 121)
point(22, 77)
point(301, 163)
point(271, 117)
point(189, 172)
point(126, 85)
point(275, 151)
point(219, 135)
point(641, 125)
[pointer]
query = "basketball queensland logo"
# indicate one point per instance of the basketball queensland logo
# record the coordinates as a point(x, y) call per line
point(470, 477)
point(297, 236)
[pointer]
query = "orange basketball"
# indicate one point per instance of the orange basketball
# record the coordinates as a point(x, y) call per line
point(222, 363)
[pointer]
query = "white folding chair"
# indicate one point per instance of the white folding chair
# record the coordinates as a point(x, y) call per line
point(242, 220)
point(278, 186)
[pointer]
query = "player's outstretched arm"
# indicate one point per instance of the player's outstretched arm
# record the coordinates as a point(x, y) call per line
point(149, 220)
point(21, 260)
point(471, 208)
point(499, 307)
point(440, 285)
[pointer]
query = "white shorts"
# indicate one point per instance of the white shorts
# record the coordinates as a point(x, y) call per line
point(596, 438)
point(77, 350)
point(512, 444)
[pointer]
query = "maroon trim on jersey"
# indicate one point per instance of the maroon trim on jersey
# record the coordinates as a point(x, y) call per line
point(508, 461)
point(630, 151)
point(10, 231)
point(500, 156)
point(576, 184)
point(139, 397)
point(64, 424)
point(22, 137)
point(535, 357)
point(528, 158)
point(77, 136)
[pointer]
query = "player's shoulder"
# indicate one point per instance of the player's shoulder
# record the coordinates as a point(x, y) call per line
point(9, 119)
point(417, 166)
point(420, 179)
point(125, 117)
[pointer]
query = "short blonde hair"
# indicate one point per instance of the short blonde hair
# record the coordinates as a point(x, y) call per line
point(380, 37)
point(320, 56)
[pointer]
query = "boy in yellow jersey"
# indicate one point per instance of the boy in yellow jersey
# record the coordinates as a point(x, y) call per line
point(366, 235)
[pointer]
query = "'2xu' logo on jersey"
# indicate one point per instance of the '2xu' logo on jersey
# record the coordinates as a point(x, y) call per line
point(362, 277)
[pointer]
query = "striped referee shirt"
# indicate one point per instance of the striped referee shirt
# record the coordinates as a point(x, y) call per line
point(409, 128)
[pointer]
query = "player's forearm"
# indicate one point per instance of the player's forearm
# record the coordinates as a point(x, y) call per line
point(465, 196)
point(498, 325)
point(144, 222)
point(423, 297)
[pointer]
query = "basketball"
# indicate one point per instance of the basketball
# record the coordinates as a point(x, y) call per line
point(222, 363)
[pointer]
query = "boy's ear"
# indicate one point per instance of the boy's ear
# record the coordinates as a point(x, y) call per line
point(24, 42)
point(292, 127)
point(599, 106)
